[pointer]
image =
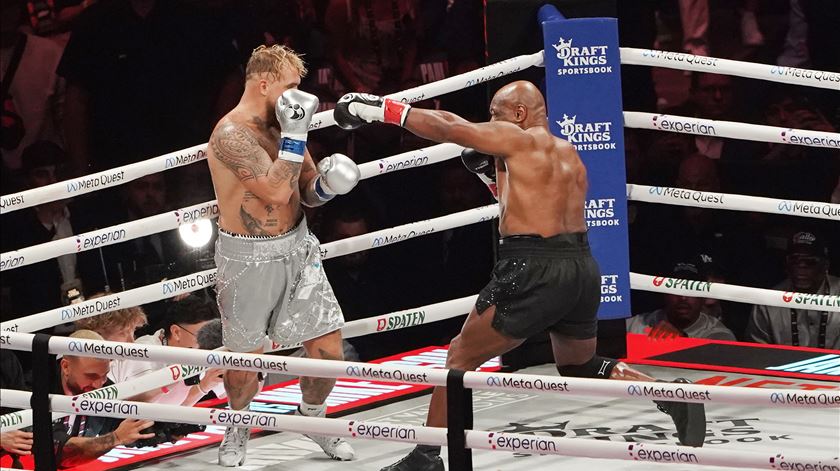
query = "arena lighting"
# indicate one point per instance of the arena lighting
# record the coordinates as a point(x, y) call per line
point(197, 234)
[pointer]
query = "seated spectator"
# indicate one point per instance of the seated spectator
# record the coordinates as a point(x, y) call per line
point(180, 328)
point(115, 326)
point(807, 269)
point(14, 442)
point(682, 316)
point(75, 441)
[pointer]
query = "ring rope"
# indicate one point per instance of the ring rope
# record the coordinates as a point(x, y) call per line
point(475, 439)
point(431, 377)
point(196, 281)
point(120, 175)
point(732, 202)
point(177, 372)
point(715, 65)
point(421, 157)
point(731, 129)
point(193, 282)
point(207, 210)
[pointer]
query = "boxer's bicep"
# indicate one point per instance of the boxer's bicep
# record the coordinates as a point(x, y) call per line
point(238, 149)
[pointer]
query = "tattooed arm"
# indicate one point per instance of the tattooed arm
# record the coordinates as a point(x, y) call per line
point(308, 174)
point(80, 450)
point(238, 149)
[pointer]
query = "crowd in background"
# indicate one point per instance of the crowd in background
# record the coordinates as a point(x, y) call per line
point(92, 85)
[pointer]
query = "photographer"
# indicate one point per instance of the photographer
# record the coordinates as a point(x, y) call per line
point(180, 328)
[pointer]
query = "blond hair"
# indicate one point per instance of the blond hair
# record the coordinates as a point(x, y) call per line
point(86, 335)
point(114, 320)
point(272, 60)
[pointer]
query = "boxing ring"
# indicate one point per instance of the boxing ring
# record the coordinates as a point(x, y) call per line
point(587, 407)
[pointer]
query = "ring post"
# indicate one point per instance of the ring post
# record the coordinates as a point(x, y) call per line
point(459, 413)
point(42, 446)
point(549, 12)
point(583, 95)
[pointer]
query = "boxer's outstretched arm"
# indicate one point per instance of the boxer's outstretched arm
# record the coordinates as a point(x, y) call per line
point(238, 148)
point(493, 138)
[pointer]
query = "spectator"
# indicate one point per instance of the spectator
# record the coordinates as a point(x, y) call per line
point(712, 97)
point(374, 43)
point(144, 260)
point(136, 60)
point(44, 285)
point(357, 279)
point(32, 104)
point(115, 326)
point(374, 50)
point(180, 328)
point(16, 443)
point(807, 270)
point(76, 443)
point(682, 316)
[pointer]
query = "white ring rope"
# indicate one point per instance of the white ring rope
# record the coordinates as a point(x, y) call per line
point(475, 439)
point(699, 393)
point(741, 294)
point(421, 157)
point(208, 210)
point(732, 202)
point(769, 72)
point(196, 281)
point(101, 180)
point(177, 372)
point(120, 175)
point(731, 129)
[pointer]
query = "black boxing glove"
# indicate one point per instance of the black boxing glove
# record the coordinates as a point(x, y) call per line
point(483, 165)
point(355, 109)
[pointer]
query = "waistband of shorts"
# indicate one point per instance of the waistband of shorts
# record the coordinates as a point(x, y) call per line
point(560, 245)
point(255, 248)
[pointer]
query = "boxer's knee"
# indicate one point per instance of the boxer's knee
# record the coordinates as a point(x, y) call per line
point(596, 367)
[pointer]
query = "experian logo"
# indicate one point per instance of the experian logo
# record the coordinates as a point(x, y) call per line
point(779, 462)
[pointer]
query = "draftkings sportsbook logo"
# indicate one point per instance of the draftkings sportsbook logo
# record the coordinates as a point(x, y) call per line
point(580, 59)
point(587, 135)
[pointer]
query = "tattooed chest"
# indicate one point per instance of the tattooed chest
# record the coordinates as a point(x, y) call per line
point(259, 218)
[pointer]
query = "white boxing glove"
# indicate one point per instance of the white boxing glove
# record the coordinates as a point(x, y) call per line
point(337, 175)
point(294, 110)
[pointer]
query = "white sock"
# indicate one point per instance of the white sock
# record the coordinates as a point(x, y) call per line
point(313, 410)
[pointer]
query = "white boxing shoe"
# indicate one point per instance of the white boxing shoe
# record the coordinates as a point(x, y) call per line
point(234, 446)
point(336, 448)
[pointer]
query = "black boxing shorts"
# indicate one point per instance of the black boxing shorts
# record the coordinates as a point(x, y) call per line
point(544, 283)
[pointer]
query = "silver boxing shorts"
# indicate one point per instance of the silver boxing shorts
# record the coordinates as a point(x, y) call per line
point(273, 286)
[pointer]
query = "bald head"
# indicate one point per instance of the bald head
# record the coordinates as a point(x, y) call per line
point(520, 103)
point(698, 172)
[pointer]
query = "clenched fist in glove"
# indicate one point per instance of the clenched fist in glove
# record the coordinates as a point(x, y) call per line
point(356, 109)
point(337, 175)
point(483, 165)
point(294, 111)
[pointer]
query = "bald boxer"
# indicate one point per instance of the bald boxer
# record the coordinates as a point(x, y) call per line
point(270, 279)
point(546, 278)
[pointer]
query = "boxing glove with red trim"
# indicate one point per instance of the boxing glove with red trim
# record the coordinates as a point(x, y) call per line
point(355, 109)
